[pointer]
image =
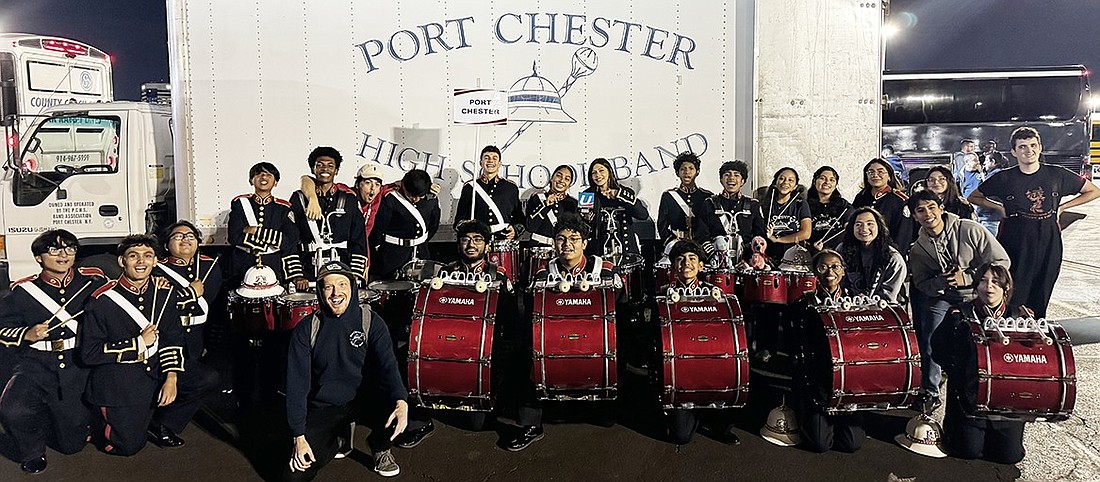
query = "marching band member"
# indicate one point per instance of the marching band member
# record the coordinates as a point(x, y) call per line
point(491, 199)
point(822, 432)
point(614, 204)
point(197, 276)
point(473, 239)
point(941, 182)
point(883, 191)
point(262, 228)
point(875, 267)
point(334, 354)
point(730, 213)
point(340, 225)
point(943, 261)
point(828, 209)
point(42, 315)
point(688, 262)
point(407, 218)
point(970, 437)
point(370, 190)
point(543, 209)
point(676, 214)
point(570, 240)
point(787, 214)
point(133, 339)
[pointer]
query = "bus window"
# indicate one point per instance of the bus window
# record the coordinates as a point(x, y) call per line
point(58, 78)
point(948, 101)
point(65, 147)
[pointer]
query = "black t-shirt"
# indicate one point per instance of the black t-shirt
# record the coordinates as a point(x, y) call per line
point(786, 218)
point(829, 219)
point(1033, 196)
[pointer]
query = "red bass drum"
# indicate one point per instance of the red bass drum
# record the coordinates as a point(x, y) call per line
point(863, 359)
point(1026, 379)
point(705, 353)
point(574, 345)
point(450, 343)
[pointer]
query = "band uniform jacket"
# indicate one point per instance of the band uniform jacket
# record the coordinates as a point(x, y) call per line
point(608, 272)
point(192, 315)
point(504, 193)
point(541, 217)
point(124, 371)
point(346, 223)
point(275, 242)
point(396, 232)
point(748, 219)
point(624, 209)
point(48, 361)
point(671, 216)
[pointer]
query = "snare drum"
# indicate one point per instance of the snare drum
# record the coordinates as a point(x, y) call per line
point(420, 269)
point(295, 307)
point(386, 289)
point(505, 254)
point(725, 280)
point(252, 316)
point(1027, 379)
point(765, 287)
point(705, 353)
point(574, 345)
point(863, 359)
point(800, 284)
point(538, 257)
point(450, 344)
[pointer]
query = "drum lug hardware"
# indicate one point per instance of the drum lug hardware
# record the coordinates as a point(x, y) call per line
point(610, 355)
point(418, 313)
point(414, 355)
point(830, 332)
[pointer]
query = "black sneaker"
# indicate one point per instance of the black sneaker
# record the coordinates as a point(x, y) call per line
point(163, 437)
point(411, 438)
point(527, 436)
point(34, 466)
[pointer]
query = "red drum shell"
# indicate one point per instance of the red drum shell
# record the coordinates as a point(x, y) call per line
point(725, 280)
point(799, 285)
point(1027, 379)
point(505, 254)
point(254, 316)
point(867, 359)
point(450, 344)
point(705, 353)
point(765, 287)
point(295, 307)
point(574, 344)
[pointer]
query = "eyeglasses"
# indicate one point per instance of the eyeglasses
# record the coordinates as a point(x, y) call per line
point(183, 236)
point(824, 268)
point(56, 251)
point(472, 240)
point(569, 239)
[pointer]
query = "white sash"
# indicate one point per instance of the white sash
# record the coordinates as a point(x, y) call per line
point(49, 304)
point(419, 220)
point(180, 280)
point(135, 315)
point(249, 214)
point(683, 205)
point(480, 192)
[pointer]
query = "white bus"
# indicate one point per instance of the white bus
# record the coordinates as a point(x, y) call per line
point(38, 71)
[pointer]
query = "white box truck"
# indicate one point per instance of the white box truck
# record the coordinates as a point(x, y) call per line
point(775, 83)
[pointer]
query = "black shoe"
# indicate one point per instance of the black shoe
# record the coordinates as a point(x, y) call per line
point(35, 466)
point(411, 438)
point(529, 435)
point(927, 403)
point(164, 437)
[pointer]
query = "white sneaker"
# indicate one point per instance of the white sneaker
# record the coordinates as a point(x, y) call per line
point(385, 464)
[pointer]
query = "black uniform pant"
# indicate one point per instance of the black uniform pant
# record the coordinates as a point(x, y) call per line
point(326, 423)
point(974, 438)
point(121, 430)
point(822, 432)
point(33, 407)
point(1035, 248)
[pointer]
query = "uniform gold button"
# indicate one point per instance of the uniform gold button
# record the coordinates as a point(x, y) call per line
point(141, 299)
point(61, 365)
point(148, 369)
point(62, 291)
point(62, 300)
point(141, 307)
point(60, 357)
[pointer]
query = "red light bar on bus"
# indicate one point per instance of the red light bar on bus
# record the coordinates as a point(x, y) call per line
point(71, 48)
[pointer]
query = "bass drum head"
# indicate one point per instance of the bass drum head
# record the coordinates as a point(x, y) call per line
point(392, 285)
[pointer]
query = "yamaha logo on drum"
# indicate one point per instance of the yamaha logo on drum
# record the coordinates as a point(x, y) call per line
point(864, 318)
point(699, 309)
point(447, 300)
point(574, 301)
point(1025, 358)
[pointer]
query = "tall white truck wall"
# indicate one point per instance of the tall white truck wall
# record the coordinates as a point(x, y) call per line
point(777, 82)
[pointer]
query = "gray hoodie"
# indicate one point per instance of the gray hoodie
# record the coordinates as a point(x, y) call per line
point(968, 245)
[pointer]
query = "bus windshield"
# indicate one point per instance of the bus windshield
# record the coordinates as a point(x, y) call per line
point(946, 101)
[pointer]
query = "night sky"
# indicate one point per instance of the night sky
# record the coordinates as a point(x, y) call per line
point(934, 34)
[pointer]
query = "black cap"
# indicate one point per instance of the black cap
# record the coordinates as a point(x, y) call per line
point(335, 267)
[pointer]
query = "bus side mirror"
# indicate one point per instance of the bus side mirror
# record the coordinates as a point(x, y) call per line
point(7, 103)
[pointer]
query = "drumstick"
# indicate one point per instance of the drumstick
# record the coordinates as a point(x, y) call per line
point(62, 308)
point(215, 263)
point(81, 312)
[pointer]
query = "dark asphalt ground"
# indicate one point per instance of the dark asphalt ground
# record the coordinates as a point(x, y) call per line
point(574, 449)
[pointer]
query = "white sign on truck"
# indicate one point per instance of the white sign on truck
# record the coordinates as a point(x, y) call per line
point(775, 83)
